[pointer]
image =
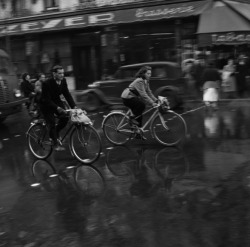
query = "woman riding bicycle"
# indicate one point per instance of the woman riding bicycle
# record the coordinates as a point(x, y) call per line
point(138, 94)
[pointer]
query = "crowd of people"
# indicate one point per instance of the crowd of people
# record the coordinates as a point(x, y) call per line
point(232, 81)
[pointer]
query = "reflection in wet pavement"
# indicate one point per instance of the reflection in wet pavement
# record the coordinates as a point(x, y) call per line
point(135, 195)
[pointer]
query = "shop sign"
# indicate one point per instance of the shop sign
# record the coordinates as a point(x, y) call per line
point(163, 12)
point(107, 18)
point(230, 38)
point(41, 25)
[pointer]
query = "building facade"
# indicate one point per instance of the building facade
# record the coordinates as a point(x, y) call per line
point(92, 38)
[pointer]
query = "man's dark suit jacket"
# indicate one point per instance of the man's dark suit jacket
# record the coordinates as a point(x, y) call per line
point(51, 92)
point(27, 88)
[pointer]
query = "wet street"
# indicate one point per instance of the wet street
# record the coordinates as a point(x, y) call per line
point(138, 195)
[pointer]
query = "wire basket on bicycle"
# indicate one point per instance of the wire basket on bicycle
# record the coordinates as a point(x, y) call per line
point(164, 104)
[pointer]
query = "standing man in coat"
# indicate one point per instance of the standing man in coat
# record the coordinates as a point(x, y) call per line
point(53, 92)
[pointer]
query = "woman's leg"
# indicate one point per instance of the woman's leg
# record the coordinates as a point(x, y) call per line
point(137, 107)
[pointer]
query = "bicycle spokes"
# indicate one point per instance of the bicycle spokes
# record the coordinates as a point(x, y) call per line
point(85, 143)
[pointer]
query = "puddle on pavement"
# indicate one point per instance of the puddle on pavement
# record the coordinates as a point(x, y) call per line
point(141, 195)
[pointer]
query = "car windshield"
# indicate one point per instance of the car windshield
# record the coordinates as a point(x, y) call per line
point(160, 71)
point(126, 73)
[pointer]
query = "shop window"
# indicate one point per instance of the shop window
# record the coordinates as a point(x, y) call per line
point(129, 73)
point(51, 4)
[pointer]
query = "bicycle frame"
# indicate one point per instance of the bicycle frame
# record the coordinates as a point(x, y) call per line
point(67, 132)
point(143, 128)
point(64, 136)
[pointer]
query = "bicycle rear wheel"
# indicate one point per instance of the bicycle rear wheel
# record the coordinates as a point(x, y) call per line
point(174, 130)
point(116, 128)
point(89, 180)
point(38, 141)
point(121, 160)
point(85, 143)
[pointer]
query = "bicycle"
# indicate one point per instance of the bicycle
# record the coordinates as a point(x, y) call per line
point(85, 142)
point(86, 178)
point(162, 166)
point(166, 126)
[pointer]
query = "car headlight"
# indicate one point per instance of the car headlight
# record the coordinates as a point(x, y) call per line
point(17, 93)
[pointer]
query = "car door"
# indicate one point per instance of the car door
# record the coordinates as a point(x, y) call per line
point(164, 75)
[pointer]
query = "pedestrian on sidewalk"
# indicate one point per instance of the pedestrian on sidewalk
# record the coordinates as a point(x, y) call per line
point(211, 80)
point(229, 87)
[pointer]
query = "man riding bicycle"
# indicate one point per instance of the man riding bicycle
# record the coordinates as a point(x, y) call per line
point(52, 105)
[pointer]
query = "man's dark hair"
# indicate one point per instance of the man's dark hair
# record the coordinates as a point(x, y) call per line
point(56, 68)
point(142, 71)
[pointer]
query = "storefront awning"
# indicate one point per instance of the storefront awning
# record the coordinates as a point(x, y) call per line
point(241, 8)
point(45, 23)
point(222, 24)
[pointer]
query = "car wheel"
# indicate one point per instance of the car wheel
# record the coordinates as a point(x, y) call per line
point(90, 102)
point(173, 98)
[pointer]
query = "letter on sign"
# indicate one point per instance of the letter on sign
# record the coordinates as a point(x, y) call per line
point(51, 23)
point(74, 21)
point(29, 26)
point(94, 19)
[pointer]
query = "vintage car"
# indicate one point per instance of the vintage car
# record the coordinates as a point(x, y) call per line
point(166, 80)
point(11, 99)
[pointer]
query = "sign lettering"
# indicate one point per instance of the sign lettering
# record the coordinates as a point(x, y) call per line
point(114, 17)
point(163, 11)
point(29, 26)
point(107, 17)
point(73, 21)
point(230, 38)
point(50, 24)
point(9, 29)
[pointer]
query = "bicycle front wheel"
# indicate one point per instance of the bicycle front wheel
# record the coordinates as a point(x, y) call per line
point(174, 130)
point(116, 128)
point(85, 143)
point(38, 141)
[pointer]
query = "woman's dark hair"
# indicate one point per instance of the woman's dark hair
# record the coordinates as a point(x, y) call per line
point(142, 71)
point(24, 76)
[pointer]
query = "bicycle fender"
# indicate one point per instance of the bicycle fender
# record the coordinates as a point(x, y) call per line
point(31, 125)
point(114, 111)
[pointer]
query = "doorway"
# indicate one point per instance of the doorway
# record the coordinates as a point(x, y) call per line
point(86, 59)
point(82, 66)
